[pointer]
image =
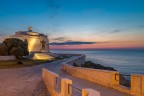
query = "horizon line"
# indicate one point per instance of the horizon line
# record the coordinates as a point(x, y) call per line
point(141, 48)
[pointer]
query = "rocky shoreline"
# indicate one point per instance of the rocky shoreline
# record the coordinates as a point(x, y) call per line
point(90, 64)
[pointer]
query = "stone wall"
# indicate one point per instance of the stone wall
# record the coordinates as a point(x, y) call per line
point(79, 60)
point(102, 77)
point(51, 82)
point(137, 84)
point(3, 58)
point(107, 78)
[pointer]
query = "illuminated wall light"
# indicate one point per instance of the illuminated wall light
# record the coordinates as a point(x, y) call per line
point(42, 56)
point(32, 44)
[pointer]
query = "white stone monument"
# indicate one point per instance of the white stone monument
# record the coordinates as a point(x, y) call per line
point(37, 42)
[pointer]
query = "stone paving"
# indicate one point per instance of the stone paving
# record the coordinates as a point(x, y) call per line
point(27, 81)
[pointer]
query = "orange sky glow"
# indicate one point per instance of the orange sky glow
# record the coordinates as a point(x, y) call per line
point(101, 45)
point(107, 41)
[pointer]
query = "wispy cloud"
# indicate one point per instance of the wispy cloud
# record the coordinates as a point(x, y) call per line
point(141, 26)
point(115, 31)
point(59, 39)
point(107, 32)
point(2, 34)
point(54, 6)
point(71, 43)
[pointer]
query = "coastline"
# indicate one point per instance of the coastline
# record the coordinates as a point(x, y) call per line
point(126, 62)
point(90, 64)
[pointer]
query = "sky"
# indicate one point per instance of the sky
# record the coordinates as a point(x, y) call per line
point(77, 24)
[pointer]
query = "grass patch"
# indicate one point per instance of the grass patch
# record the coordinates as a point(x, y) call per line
point(9, 64)
point(26, 63)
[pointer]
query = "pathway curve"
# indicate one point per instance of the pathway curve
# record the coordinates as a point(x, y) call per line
point(27, 81)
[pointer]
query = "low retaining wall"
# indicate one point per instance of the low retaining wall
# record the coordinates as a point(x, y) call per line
point(137, 84)
point(103, 77)
point(107, 78)
point(4, 58)
point(78, 60)
point(51, 82)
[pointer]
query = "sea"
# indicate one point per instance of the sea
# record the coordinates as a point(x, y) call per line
point(125, 61)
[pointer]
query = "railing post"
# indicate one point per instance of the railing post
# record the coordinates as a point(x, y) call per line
point(137, 85)
point(143, 85)
point(84, 92)
point(115, 78)
point(50, 81)
point(56, 83)
point(65, 88)
point(90, 92)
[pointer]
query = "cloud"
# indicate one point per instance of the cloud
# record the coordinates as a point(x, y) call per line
point(2, 34)
point(59, 39)
point(106, 32)
point(71, 43)
point(115, 31)
point(141, 26)
point(54, 6)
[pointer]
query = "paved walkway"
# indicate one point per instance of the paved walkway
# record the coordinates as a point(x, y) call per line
point(27, 81)
point(21, 82)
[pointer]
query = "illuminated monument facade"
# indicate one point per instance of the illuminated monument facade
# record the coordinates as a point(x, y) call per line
point(37, 42)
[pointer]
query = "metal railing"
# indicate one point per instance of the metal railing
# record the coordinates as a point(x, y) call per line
point(74, 91)
point(123, 79)
point(58, 84)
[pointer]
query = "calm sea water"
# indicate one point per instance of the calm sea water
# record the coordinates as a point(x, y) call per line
point(125, 61)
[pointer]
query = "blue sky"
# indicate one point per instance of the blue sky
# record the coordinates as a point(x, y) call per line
point(86, 20)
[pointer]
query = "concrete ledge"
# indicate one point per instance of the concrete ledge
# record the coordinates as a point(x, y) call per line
point(50, 81)
point(102, 77)
point(137, 84)
point(122, 89)
point(4, 58)
point(90, 92)
point(79, 60)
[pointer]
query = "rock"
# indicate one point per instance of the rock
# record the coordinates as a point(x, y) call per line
point(90, 64)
